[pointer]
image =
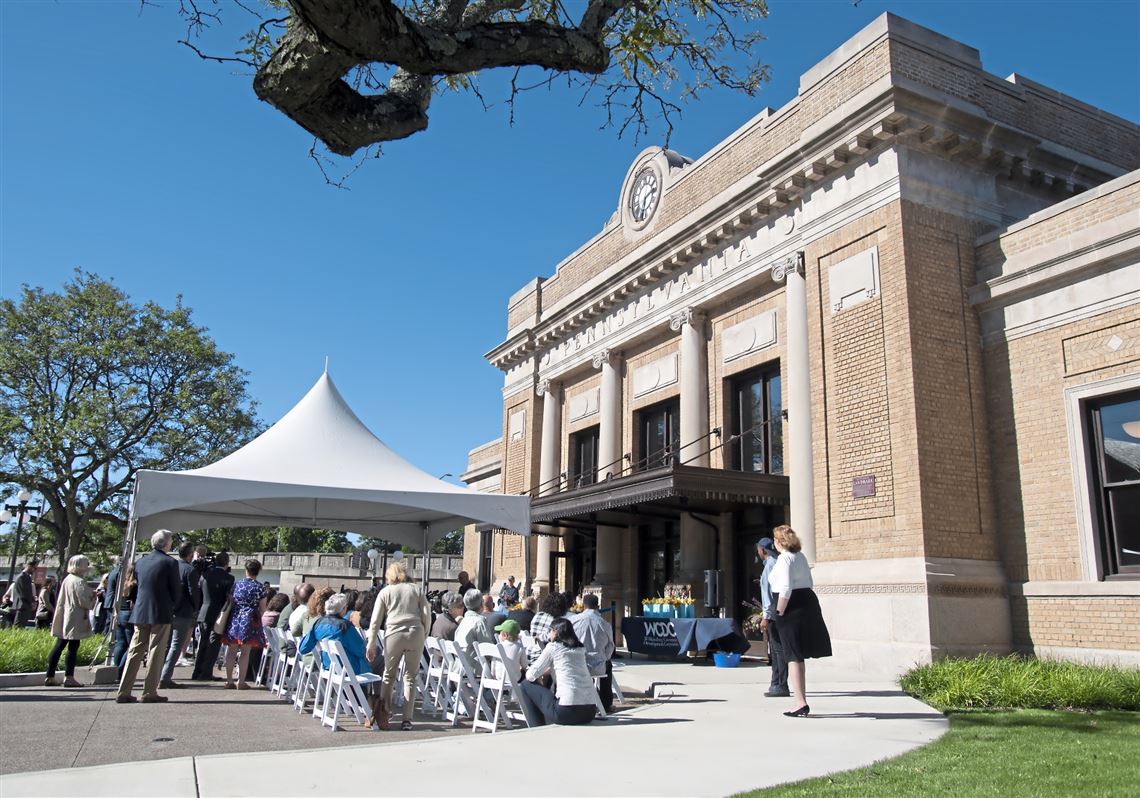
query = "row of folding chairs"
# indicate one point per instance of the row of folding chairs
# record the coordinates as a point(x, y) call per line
point(448, 683)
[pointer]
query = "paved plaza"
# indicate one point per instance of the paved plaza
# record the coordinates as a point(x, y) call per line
point(706, 734)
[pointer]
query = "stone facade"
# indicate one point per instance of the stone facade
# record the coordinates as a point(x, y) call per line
point(938, 266)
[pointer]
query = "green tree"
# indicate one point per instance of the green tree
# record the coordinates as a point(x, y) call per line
point(451, 543)
point(94, 387)
point(359, 72)
point(252, 539)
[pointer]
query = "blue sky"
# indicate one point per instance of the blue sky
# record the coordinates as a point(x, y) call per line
point(124, 154)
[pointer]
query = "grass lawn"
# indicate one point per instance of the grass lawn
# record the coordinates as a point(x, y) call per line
point(1028, 752)
point(27, 650)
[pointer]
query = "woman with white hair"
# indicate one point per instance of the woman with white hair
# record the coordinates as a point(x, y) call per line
point(334, 626)
point(71, 622)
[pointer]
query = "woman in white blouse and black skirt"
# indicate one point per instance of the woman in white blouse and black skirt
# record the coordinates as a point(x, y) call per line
point(799, 621)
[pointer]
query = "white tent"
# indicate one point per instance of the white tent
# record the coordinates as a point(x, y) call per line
point(320, 467)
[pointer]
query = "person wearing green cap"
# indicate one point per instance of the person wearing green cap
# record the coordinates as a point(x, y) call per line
point(512, 649)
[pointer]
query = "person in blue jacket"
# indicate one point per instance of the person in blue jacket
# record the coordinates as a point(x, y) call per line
point(334, 626)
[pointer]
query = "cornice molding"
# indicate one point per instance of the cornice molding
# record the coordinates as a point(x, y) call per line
point(793, 184)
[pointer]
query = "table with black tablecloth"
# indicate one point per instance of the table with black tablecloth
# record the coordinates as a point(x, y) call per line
point(700, 634)
point(671, 637)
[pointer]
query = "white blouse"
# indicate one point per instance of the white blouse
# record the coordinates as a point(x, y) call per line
point(791, 572)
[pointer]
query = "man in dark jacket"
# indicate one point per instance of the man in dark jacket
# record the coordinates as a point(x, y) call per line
point(524, 616)
point(152, 615)
point(24, 596)
point(185, 613)
point(106, 605)
point(215, 585)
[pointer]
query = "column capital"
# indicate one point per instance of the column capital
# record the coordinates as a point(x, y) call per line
point(785, 266)
point(603, 357)
point(546, 386)
point(690, 316)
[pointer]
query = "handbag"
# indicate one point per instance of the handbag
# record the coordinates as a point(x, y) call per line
point(224, 616)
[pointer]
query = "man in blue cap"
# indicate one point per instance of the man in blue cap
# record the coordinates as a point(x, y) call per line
point(766, 550)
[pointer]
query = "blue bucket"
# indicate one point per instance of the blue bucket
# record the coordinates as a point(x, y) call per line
point(724, 659)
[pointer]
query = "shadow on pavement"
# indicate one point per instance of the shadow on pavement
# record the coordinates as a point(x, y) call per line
point(932, 715)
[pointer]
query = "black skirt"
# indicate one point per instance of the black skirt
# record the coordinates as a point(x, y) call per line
point(803, 634)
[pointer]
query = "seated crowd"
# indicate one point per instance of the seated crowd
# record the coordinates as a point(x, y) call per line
point(555, 668)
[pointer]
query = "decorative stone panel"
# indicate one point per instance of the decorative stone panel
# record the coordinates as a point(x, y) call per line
point(584, 405)
point(854, 280)
point(655, 375)
point(749, 336)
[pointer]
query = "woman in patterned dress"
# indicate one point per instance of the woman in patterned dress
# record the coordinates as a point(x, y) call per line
point(244, 631)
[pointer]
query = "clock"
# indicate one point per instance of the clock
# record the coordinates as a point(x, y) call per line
point(644, 195)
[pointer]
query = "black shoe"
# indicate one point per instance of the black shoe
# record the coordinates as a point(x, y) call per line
point(125, 699)
point(802, 712)
point(777, 694)
point(160, 699)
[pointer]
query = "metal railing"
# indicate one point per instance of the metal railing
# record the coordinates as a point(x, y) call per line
point(665, 456)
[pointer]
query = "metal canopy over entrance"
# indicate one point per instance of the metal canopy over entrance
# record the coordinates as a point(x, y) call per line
point(664, 492)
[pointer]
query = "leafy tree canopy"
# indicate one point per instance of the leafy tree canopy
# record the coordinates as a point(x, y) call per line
point(283, 538)
point(94, 387)
point(355, 73)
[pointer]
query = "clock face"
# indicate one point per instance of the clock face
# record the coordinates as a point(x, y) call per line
point(643, 195)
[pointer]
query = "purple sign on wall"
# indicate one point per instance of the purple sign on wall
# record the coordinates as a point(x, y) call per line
point(863, 486)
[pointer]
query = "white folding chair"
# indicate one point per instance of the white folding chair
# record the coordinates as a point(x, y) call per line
point(305, 682)
point(619, 696)
point(526, 638)
point(323, 674)
point(284, 674)
point(269, 655)
point(498, 686)
point(435, 678)
point(345, 688)
point(461, 683)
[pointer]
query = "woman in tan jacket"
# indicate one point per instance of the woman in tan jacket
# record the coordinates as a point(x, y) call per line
point(405, 616)
point(71, 622)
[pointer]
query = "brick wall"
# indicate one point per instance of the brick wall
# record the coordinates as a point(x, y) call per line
point(1109, 622)
point(862, 393)
point(1050, 228)
point(1033, 474)
point(949, 393)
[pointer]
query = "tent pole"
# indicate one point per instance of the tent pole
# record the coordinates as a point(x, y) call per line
point(127, 557)
point(426, 562)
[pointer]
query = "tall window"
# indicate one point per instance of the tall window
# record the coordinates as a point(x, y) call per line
point(1114, 427)
point(658, 435)
point(583, 457)
point(757, 426)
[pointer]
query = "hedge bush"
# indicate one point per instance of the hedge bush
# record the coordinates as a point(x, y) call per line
point(989, 682)
point(27, 650)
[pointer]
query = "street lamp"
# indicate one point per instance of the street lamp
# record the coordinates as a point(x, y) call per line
point(21, 512)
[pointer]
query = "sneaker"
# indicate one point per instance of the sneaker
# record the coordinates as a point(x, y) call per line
point(183, 662)
point(69, 682)
point(406, 726)
point(125, 699)
point(154, 699)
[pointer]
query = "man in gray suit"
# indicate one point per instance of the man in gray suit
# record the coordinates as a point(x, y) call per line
point(152, 615)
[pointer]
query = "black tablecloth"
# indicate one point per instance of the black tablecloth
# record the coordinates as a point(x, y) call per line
point(695, 634)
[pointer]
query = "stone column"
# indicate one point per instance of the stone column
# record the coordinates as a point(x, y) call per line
point(609, 412)
point(549, 467)
point(694, 387)
point(607, 559)
point(797, 378)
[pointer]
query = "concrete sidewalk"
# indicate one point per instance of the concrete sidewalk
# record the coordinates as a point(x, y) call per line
point(707, 735)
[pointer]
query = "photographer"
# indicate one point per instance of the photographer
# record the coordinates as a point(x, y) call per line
point(215, 585)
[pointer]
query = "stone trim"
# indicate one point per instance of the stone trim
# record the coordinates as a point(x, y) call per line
point(953, 589)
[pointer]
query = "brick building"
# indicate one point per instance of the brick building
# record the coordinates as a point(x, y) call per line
point(901, 313)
